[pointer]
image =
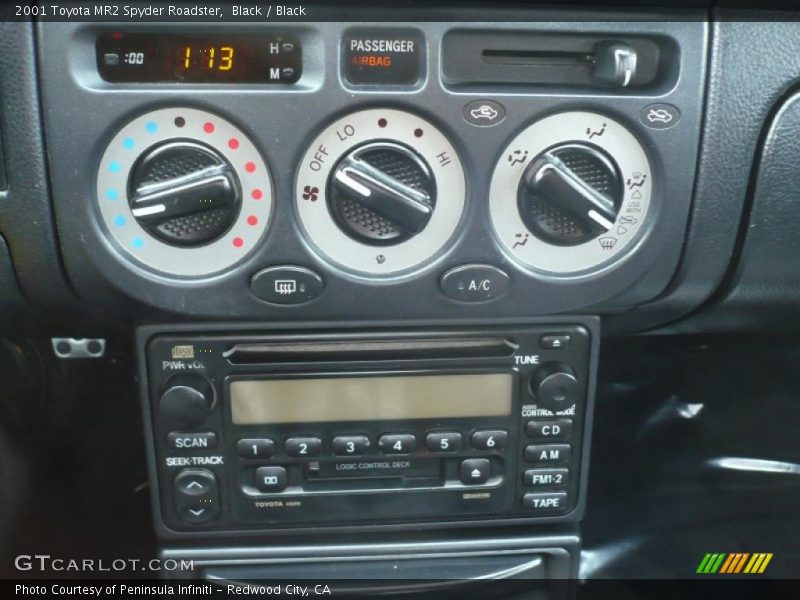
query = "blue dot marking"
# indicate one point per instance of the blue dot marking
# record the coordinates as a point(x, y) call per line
point(111, 194)
point(119, 220)
point(137, 242)
point(127, 143)
point(115, 167)
point(151, 127)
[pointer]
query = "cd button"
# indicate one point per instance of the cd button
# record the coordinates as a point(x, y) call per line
point(271, 479)
point(554, 429)
point(442, 441)
point(474, 471)
point(303, 447)
point(255, 448)
point(490, 440)
point(350, 445)
point(548, 453)
point(397, 443)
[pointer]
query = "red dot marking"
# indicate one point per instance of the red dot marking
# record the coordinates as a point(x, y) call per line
point(252, 220)
point(257, 194)
point(233, 143)
point(382, 122)
point(418, 132)
point(250, 167)
point(238, 242)
point(208, 127)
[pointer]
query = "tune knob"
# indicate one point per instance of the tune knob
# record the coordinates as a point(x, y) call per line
point(184, 193)
point(186, 401)
point(555, 386)
point(569, 194)
point(382, 193)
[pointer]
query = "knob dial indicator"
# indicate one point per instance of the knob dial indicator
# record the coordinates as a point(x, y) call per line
point(366, 192)
point(183, 192)
point(571, 193)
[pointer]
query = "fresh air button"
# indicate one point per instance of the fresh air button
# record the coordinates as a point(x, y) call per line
point(474, 471)
point(198, 440)
point(255, 448)
point(286, 284)
point(490, 439)
point(350, 445)
point(553, 341)
point(383, 56)
point(548, 453)
point(303, 447)
point(443, 441)
point(397, 443)
point(474, 283)
point(554, 429)
point(554, 502)
point(271, 479)
point(545, 477)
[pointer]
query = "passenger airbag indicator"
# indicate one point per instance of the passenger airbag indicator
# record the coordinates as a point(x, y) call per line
point(383, 57)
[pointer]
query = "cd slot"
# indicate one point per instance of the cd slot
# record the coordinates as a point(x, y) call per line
point(368, 350)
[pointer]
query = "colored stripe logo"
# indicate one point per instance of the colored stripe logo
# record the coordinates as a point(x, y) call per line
point(734, 563)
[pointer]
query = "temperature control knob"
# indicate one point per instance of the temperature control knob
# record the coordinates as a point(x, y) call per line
point(184, 193)
point(382, 193)
point(555, 386)
point(186, 401)
point(570, 194)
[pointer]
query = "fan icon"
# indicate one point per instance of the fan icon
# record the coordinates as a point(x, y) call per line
point(310, 193)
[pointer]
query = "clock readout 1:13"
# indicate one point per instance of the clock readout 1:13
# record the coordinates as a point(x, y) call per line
point(213, 58)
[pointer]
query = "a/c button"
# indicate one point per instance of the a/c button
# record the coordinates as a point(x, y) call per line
point(475, 283)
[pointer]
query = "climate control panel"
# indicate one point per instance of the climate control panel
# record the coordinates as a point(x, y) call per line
point(415, 184)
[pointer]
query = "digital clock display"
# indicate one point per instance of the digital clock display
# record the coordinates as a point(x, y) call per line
point(158, 58)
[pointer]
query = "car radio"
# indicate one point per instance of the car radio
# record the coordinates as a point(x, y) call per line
point(269, 431)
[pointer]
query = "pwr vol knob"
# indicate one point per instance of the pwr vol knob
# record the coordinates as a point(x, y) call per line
point(368, 187)
point(183, 192)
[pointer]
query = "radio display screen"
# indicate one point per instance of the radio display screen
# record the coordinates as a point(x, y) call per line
point(267, 401)
point(167, 58)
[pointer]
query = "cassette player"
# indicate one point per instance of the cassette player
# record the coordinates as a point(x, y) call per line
point(277, 431)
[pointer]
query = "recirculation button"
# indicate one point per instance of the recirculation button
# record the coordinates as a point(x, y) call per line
point(475, 283)
point(286, 284)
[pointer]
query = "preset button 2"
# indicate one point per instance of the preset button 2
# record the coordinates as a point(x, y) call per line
point(303, 447)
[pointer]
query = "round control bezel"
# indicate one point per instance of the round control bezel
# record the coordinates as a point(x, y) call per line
point(210, 129)
point(357, 129)
point(564, 128)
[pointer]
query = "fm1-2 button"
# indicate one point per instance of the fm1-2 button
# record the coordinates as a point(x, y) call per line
point(553, 502)
point(397, 443)
point(303, 447)
point(271, 479)
point(474, 283)
point(490, 440)
point(548, 453)
point(255, 448)
point(286, 284)
point(443, 441)
point(350, 445)
point(545, 477)
point(552, 430)
point(475, 471)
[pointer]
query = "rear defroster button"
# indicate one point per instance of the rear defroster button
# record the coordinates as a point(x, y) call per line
point(286, 284)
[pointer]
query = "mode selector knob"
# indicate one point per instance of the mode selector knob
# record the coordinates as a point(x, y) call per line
point(184, 193)
point(186, 401)
point(382, 193)
point(555, 386)
point(570, 193)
